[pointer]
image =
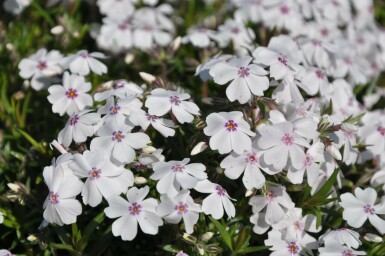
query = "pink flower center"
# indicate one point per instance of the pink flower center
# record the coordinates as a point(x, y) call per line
point(151, 118)
point(148, 28)
point(308, 160)
point(41, 65)
point(74, 120)
point(293, 248)
point(369, 209)
point(114, 110)
point(252, 158)
point(140, 166)
point(123, 26)
point(175, 100)
point(181, 208)
point(177, 168)
point(84, 55)
point(320, 74)
point(349, 135)
point(299, 225)
point(324, 32)
point(53, 198)
point(283, 59)
point(71, 93)
point(134, 209)
point(243, 72)
point(220, 191)
point(300, 112)
point(347, 252)
point(284, 9)
point(119, 136)
point(270, 196)
point(316, 42)
point(235, 30)
point(118, 84)
point(231, 126)
point(348, 60)
point(381, 131)
point(287, 139)
point(94, 173)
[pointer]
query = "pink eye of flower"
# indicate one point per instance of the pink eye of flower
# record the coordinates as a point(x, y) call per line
point(235, 30)
point(220, 191)
point(114, 110)
point(308, 160)
point(324, 32)
point(74, 120)
point(298, 225)
point(270, 196)
point(320, 74)
point(348, 61)
point(283, 59)
point(148, 28)
point(181, 208)
point(243, 72)
point(252, 158)
point(316, 42)
point(347, 253)
point(140, 166)
point(175, 100)
point(41, 65)
point(349, 135)
point(118, 84)
point(119, 136)
point(293, 248)
point(284, 9)
point(53, 198)
point(287, 139)
point(381, 131)
point(123, 26)
point(301, 112)
point(177, 168)
point(134, 209)
point(84, 55)
point(71, 93)
point(369, 209)
point(231, 126)
point(151, 118)
point(94, 173)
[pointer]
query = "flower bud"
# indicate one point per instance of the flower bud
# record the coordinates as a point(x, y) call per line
point(57, 30)
point(129, 58)
point(200, 249)
point(140, 180)
point(189, 238)
point(373, 238)
point(334, 152)
point(207, 236)
point(147, 77)
point(200, 147)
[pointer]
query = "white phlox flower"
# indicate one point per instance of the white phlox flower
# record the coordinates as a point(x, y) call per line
point(228, 131)
point(285, 15)
point(1, 217)
point(4, 252)
point(71, 97)
point(246, 79)
point(176, 175)
point(40, 67)
point(203, 70)
point(359, 208)
point(60, 206)
point(129, 213)
point(283, 247)
point(78, 127)
point(182, 206)
point(104, 179)
point(276, 201)
point(162, 125)
point(121, 89)
point(199, 37)
point(251, 163)
point(297, 226)
point(16, 6)
point(218, 200)
point(117, 138)
point(333, 248)
point(147, 159)
point(343, 236)
point(83, 63)
point(315, 80)
point(280, 142)
point(161, 101)
point(115, 34)
point(120, 110)
point(122, 9)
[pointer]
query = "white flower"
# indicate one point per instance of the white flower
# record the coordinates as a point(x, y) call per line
point(103, 177)
point(121, 89)
point(1, 217)
point(181, 253)
point(229, 132)
point(162, 101)
point(82, 62)
point(199, 37)
point(343, 236)
point(246, 79)
point(40, 67)
point(60, 206)
point(162, 125)
point(281, 142)
point(250, 162)
point(78, 127)
point(180, 207)
point(216, 201)
point(283, 247)
point(203, 70)
point(119, 111)
point(121, 9)
point(71, 97)
point(359, 208)
point(5, 253)
point(116, 138)
point(115, 34)
point(285, 15)
point(147, 159)
point(135, 210)
point(16, 6)
point(175, 175)
point(333, 248)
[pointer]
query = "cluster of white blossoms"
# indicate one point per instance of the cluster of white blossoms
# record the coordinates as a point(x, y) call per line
point(292, 116)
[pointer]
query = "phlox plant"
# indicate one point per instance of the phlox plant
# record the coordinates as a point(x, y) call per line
point(201, 127)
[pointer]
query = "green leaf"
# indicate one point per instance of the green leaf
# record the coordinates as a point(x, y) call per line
point(253, 249)
point(224, 234)
point(88, 232)
point(32, 141)
point(63, 247)
point(242, 239)
point(325, 190)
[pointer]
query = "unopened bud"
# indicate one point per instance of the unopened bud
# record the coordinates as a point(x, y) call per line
point(140, 180)
point(200, 249)
point(148, 150)
point(373, 238)
point(174, 46)
point(147, 77)
point(200, 147)
point(31, 238)
point(249, 192)
point(129, 58)
point(213, 248)
point(334, 152)
point(189, 238)
point(57, 30)
point(14, 187)
point(207, 236)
